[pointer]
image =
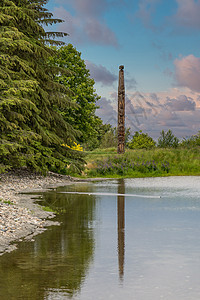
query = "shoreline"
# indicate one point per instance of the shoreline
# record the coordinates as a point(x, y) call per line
point(20, 218)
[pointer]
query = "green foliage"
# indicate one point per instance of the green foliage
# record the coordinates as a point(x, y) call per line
point(32, 126)
point(124, 165)
point(109, 137)
point(193, 141)
point(167, 140)
point(81, 87)
point(8, 202)
point(127, 135)
point(47, 208)
point(144, 163)
point(141, 140)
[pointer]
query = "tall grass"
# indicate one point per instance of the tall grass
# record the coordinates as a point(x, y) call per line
point(143, 163)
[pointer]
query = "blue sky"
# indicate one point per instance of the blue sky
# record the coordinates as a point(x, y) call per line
point(157, 41)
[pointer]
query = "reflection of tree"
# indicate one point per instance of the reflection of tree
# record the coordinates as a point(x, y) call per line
point(121, 227)
point(58, 259)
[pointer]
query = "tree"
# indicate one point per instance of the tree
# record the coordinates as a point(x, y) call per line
point(167, 140)
point(193, 141)
point(32, 128)
point(109, 136)
point(82, 92)
point(141, 140)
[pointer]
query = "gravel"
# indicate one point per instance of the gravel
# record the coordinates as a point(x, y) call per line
point(20, 217)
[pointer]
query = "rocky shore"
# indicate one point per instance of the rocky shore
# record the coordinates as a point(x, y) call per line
point(20, 217)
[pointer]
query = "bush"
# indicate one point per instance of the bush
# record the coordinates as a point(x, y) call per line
point(141, 140)
point(193, 141)
point(167, 140)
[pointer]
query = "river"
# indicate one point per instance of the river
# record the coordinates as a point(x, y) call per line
point(135, 239)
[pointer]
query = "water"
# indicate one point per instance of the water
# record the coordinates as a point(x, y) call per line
point(112, 246)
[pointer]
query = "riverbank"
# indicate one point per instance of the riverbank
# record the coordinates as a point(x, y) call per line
point(20, 217)
point(156, 162)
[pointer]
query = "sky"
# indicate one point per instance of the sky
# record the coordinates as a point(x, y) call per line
point(157, 41)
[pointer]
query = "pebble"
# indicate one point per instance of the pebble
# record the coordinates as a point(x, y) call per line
point(14, 218)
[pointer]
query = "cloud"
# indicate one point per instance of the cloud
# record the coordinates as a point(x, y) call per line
point(187, 72)
point(113, 95)
point(166, 118)
point(185, 18)
point(154, 112)
point(101, 74)
point(146, 10)
point(133, 114)
point(86, 23)
point(130, 83)
point(105, 77)
point(187, 14)
point(149, 102)
point(170, 119)
point(106, 112)
point(72, 25)
point(99, 33)
point(165, 110)
point(182, 103)
point(90, 7)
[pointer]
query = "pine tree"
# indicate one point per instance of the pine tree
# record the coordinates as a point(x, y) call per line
point(32, 129)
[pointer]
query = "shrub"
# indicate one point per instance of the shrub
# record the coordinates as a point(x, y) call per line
point(141, 140)
point(193, 141)
point(167, 140)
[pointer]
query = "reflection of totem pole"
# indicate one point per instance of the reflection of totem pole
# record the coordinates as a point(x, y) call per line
point(121, 112)
point(121, 228)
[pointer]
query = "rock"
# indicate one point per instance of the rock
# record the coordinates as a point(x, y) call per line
point(20, 217)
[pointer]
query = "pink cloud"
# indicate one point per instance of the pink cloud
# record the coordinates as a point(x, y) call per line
point(187, 72)
point(173, 109)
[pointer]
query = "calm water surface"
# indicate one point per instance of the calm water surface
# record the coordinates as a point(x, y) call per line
point(112, 246)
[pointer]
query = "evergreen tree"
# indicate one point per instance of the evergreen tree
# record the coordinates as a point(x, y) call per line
point(32, 128)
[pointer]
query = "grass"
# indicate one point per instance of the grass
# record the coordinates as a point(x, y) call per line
point(6, 202)
point(100, 153)
point(47, 208)
point(143, 163)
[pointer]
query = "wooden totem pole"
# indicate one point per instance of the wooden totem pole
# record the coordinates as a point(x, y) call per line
point(121, 228)
point(121, 112)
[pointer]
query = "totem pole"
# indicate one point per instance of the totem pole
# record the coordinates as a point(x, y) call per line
point(121, 227)
point(121, 112)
